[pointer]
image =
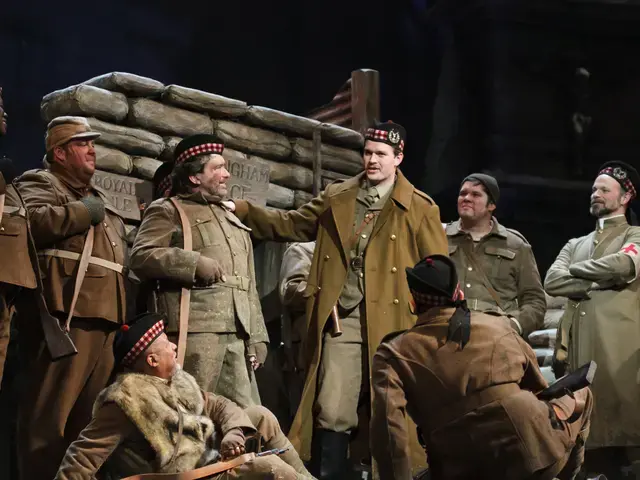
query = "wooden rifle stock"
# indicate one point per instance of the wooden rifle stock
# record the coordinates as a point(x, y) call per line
point(336, 331)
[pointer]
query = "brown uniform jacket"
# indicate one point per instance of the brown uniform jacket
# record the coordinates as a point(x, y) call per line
point(600, 273)
point(158, 254)
point(407, 229)
point(15, 262)
point(59, 221)
point(508, 262)
point(112, 434)
point(475, 406)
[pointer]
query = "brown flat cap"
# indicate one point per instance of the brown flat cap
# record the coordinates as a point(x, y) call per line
point(64, 129)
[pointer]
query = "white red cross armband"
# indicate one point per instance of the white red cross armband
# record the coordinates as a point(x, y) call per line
point(633, 251)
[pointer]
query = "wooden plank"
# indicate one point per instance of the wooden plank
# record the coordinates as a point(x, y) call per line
point(365, 98)
point(317, 163)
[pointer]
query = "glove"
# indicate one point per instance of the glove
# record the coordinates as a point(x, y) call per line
point(209, 271)
point(232, 444)
point(95, 205)
point(259, 353)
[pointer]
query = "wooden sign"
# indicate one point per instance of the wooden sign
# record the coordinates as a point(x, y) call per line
point(249, 179)
point(128, 195)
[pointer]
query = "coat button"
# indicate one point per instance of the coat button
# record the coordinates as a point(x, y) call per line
point(364, 235)
point(394, 270)
point(113, 243)
point(599, 231)
point(235, 273)
point(326, 257)
point(234, 253)
point(197, 220)
point(361, 275)
point(105, 224)
point(595, 241)
point(470, 268)
point(468, 285)
point(393, 237)
point(582, 314)
point(396, 301)
point(319, 288)
point(1, 229)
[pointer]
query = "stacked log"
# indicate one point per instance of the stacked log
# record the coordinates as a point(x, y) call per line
point(270, 153)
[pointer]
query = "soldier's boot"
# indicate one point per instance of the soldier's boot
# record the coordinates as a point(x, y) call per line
point(329, 455)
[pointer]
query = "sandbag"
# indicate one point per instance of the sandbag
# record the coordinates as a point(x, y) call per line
point(253, 140)
point(552, 318)
point(133, 141)
point(548, 374)
point(165, 119)
point(335, 134)
point(113, 160)
point(300, 198)
point(170, 144)
point(282, 121)
point(543, 338)
point(336, 159)
point(128, 83)
point(86, 101)
point(249, 176)
point(280, 197)
point(200, 101)
point(544, 356)
point(145, 167)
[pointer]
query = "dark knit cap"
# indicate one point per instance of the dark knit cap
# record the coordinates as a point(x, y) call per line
point(490, 183)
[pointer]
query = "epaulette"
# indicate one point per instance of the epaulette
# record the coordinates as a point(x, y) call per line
point(390, 336)
point(518, 234)
point(424, 195)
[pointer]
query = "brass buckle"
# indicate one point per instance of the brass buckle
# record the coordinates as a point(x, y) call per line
point(357, 262)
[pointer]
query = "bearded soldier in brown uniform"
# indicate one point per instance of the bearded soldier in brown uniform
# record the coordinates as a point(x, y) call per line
point(155, 419)
point(66, 216)
point(600, 274)
point(368, 229)
point(469, 381)
point(496, 266)
point(227, 338)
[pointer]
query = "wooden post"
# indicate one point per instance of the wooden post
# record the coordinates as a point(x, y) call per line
point(317, 162)
point(365, 98)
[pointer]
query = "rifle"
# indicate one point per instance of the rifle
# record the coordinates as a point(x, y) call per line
point(580, 378)
point(209, 470)
point(56, 337)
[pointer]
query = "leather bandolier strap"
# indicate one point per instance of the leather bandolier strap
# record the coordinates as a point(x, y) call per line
point(185, 296)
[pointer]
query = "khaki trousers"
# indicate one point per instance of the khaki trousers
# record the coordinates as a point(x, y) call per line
point(59, 396)
point(219, 364)
point(343, 366)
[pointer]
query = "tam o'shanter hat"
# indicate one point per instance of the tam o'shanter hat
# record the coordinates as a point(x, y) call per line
point(134, 338)
point(195, 145)
point(624, 174)
point(433, 282)
point(390, 133)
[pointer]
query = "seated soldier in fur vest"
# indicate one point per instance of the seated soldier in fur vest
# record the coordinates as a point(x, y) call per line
point(155, 419)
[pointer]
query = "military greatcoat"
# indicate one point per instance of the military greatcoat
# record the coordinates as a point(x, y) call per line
point(407, 229)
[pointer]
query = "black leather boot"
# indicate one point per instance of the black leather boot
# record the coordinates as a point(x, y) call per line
point(329, 452)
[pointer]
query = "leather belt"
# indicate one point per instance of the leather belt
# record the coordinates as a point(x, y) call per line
point(55, 252)
point(232, 281)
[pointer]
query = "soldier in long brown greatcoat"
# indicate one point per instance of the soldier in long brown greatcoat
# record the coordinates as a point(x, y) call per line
point(600, 274)
point(469, 381)
point(136, 420)
point(62, 207)
point(367, 229)
point(496, 266)
point(227, 338)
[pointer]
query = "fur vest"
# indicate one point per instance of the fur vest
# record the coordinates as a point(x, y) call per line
point(157, 407)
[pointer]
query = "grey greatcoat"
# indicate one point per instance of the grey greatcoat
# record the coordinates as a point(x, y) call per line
point(599, 275)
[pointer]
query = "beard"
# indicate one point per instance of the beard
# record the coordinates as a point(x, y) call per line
point(600, 210)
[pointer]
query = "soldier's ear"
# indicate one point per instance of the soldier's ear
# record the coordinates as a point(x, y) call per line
point(59, 155)
point(152, 360)
point(194, 179)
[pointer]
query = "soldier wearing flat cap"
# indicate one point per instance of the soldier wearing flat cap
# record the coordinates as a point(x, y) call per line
point(135, 420)
point(469, 381)
point(223, 330)
point(496, 266)
point(367, 229)
point(69, 218)
point(600, 274)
